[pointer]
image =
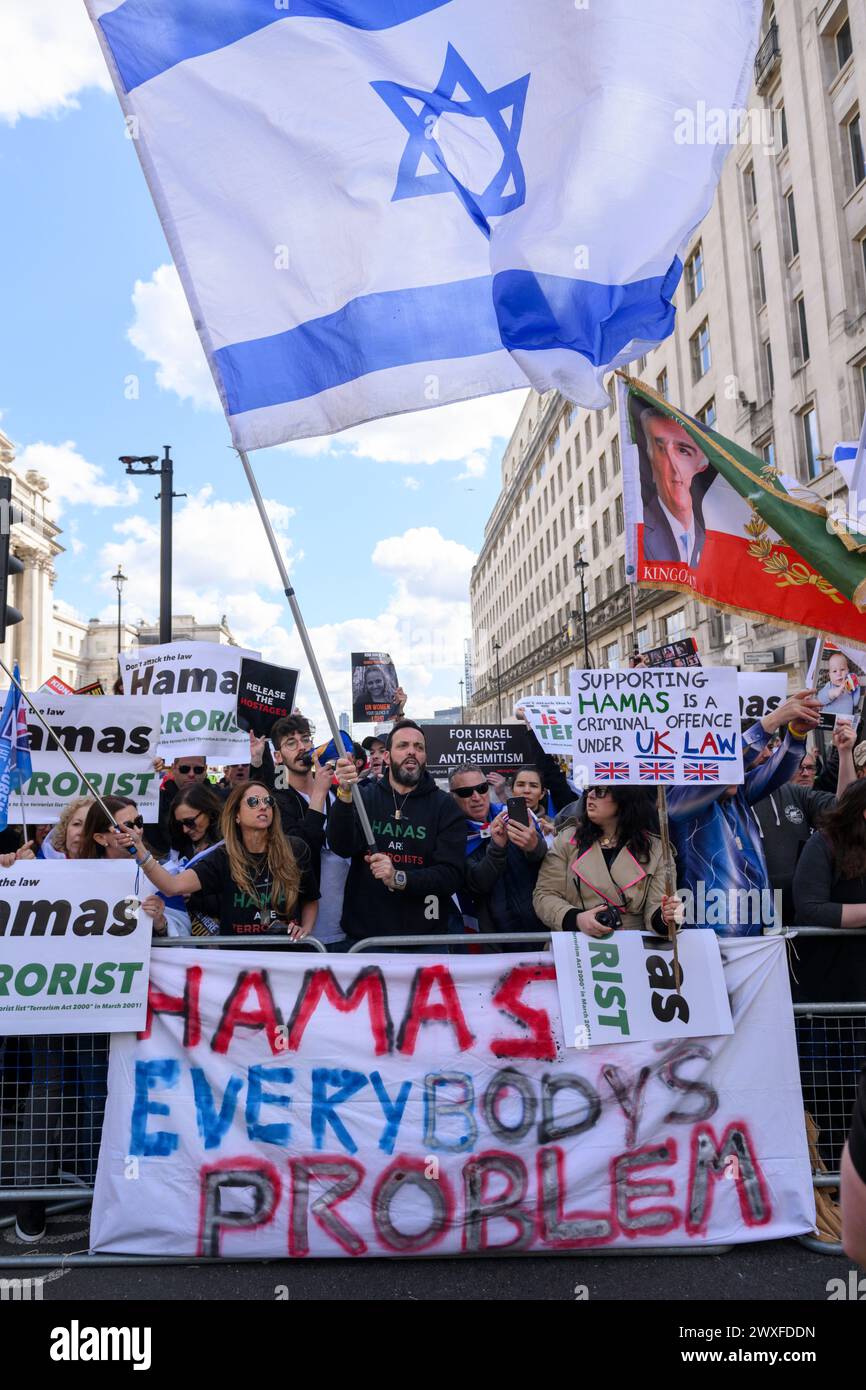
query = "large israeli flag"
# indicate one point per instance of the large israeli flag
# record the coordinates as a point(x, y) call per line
point(381, 205)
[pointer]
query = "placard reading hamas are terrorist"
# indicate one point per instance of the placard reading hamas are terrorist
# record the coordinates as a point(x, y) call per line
point(198, 685)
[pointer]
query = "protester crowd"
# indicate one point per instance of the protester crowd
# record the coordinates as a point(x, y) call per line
point(276, 847)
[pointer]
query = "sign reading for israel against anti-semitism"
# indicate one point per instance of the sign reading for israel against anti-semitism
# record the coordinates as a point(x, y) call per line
point(198, 685)
point(406, 1105)
point(74, 947)
point(627, 988)
point(114, 743)
point(668, 725)
point(494, 747)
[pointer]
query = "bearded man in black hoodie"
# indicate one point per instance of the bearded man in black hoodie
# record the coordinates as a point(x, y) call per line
point(403, 888)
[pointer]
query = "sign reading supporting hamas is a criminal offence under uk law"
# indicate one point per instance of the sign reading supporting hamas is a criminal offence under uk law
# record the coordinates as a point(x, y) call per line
point(679, 726)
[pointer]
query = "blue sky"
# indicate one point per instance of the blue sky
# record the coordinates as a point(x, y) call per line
point(99, 358)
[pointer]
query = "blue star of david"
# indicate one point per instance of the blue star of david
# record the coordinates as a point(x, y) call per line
point(422, 144)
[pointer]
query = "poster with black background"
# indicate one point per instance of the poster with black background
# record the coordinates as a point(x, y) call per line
point(265, 694)
point(374, 688)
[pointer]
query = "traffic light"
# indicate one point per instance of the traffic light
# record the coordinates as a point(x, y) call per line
point(9, 565)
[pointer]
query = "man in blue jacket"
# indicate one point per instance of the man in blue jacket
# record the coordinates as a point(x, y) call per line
point(720, 856)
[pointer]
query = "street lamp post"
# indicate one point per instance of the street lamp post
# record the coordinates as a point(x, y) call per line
point(165, 472)
point(498, 682)
point(120, 579)
point(580, 568)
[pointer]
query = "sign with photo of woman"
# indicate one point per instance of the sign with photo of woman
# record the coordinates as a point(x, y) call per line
point(374, 688)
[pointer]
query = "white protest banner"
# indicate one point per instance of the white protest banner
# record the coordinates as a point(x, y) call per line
point(113, 741)
point(662, 725)
point(406, 1105)
point(549, 718)
point(760, 693)
point(625, 988)
point(198, 684)
point(74, 947)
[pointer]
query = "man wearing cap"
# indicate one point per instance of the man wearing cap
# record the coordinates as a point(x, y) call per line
point(375, 747)
point(403, 887)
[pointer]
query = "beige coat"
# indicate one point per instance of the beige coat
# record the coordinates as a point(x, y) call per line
point(566, 882)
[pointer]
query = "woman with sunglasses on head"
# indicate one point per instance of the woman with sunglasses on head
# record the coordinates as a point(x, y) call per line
point(608, 871)
point(261, 878)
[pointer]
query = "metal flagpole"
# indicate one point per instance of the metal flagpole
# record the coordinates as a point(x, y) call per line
point(305, 641)
point(65, 751)
point(633, 611)
point(670, 884)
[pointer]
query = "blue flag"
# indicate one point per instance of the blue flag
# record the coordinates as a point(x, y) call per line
point(15, 765)
point(377, 206)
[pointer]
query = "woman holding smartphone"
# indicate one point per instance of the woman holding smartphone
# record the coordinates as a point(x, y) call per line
point(261, 879)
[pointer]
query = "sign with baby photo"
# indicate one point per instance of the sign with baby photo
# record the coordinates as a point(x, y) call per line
point(838, 674)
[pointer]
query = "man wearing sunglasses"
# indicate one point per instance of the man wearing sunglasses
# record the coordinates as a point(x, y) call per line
point(502, 859)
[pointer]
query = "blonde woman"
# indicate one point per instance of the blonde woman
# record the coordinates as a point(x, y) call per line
point(64, 842)
point(261, 878)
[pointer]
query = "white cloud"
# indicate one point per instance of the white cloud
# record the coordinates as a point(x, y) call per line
point(219, 549)
point(445, 434)
point(164, 333)
point(51, 53)
point(222, 565)
point(411, 483)
point(67, 610)
point(72, 479)
point(424, 561)
point(475, 467)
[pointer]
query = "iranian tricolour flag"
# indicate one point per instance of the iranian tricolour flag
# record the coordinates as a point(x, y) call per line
point(705, 516)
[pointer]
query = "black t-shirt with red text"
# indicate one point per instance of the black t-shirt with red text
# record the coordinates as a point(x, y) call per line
point(244, 915)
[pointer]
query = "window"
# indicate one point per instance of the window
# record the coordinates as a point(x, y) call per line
point(568, 465)
point(770, 380)
point(599, 589)
point(793, 238)
point(602, 473)
point(643, 638)
point(694, 274)
point(618, 516)
point(614, 455)
point(768, 453)
point(782, 127)
point(750, 189)
point(605, 526)
point(552, 446)
point(588, 431)
point(811, 446)
point(802, 331)
point(641, 365)
point(594, 539)
point(591, 487)
point(707, 416)
point(760, 283)
point(621, 570)
point(610, 656)
point(855, 146)
point(611, 584)
point(662, 383)
point(571, 513)
point(699, 348)
point(675, 624)
point(580, 499)
point(844, 46)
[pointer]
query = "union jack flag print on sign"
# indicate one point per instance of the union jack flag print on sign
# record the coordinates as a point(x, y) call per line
point(701, 772)
point(656, 772)
point(611, 772)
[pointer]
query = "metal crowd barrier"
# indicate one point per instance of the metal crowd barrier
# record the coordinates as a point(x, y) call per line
point(52, 1096)
point(831, 1046)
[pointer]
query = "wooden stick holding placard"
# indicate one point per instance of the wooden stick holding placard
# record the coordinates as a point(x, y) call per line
point(670, 882)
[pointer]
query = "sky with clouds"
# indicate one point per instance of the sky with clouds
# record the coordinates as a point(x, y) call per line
point(379, 526)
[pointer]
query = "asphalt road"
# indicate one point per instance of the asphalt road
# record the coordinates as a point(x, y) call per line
point(766, 1271)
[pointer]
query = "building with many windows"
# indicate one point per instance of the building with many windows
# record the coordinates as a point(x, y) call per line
point(769, 347)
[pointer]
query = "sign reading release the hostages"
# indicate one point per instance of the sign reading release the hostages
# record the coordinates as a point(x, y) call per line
point(679, 726)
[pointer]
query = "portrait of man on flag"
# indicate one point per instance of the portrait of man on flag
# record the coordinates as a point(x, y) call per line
point(675, 475)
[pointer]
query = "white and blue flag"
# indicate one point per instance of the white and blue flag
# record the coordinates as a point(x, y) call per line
point(15, 765)
point(380, 205)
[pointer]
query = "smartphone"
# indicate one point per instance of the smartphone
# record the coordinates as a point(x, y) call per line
point(518, 810)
